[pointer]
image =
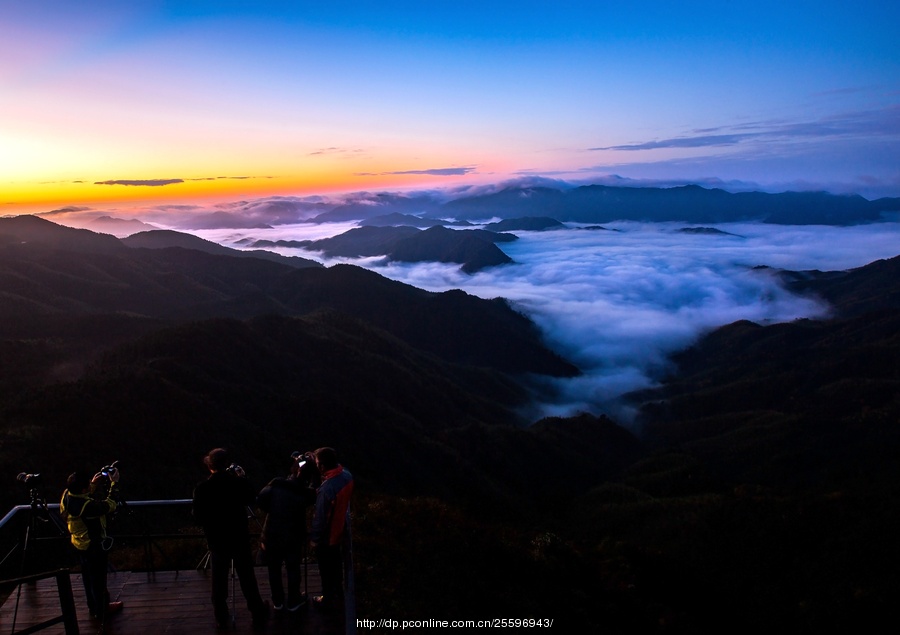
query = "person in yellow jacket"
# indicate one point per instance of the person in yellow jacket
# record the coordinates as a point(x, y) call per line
point(85, 505)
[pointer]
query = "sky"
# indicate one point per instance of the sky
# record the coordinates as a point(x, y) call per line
point(141, 102)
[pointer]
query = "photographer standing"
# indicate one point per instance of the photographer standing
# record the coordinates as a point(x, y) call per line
point(329, 524)
point(284, 532)
point(220, 506)
point(85, 505)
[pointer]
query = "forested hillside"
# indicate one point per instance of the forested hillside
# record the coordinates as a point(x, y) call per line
point(757, 491)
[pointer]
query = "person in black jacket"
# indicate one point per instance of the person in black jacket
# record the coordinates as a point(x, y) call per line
point(220, 506)
point(284, 531)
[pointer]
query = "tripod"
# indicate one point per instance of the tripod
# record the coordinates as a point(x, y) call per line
point(38, 514)
point(237, 553)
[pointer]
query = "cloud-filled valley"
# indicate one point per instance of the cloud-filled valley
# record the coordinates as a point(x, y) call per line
point(618, 302)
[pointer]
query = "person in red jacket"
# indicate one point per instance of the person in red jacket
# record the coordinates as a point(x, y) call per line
point(330, 522)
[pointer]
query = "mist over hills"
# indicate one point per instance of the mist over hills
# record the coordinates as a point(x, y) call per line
point(118, 227)
point(594, 203)
point(606, 203)
point(162, 239)
point(815, 381)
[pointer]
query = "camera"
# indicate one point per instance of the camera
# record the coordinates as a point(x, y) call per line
point(106, 471)
point(303, 458)
point(306, 469)
point(300, 458)
point(106, 481)
point(33, 482)
point(236, 469)
point(29, 480)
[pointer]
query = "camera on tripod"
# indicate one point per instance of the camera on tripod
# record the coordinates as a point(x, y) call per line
point(29, 480)
point(33, 482)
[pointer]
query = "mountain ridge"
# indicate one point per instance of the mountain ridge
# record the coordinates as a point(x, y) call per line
point(607, 203)
point(39, 280)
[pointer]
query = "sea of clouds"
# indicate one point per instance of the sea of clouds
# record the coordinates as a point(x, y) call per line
point(618, 302)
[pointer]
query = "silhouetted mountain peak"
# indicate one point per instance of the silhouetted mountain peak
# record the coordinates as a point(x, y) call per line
point(163, 238)
point(38, 231)
point(408, 244)
point(447, 245)
point(528, 223)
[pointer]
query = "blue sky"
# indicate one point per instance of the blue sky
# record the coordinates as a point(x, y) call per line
point(226, 99)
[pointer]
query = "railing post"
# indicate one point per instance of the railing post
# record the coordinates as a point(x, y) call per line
point(67, 602)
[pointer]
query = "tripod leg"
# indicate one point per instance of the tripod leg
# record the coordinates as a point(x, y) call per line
point(21, 572)
point(233, 609)
point(205, 562)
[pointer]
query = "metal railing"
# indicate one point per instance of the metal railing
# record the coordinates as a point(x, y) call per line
point(68, 617)
point(34, 545)
point(34, 539)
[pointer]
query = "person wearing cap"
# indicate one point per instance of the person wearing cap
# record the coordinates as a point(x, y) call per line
point(220, 507)
point(85, 504)
point(329, 524)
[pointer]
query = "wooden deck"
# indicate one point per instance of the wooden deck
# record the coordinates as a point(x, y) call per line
point(177, 603)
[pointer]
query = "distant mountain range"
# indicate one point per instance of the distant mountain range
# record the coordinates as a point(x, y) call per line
point(396, 219)
point(603, 204)
point(529, 223)
point(589, 204)
point(118, 227)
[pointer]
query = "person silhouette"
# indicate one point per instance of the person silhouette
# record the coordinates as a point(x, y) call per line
point(220, 507)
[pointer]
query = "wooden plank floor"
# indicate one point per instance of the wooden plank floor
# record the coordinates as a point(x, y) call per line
point(176, 603)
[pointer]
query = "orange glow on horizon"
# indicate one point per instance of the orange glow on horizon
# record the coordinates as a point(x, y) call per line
point(26, 198)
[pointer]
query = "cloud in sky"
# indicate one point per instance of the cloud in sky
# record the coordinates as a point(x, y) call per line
point(141, 182)
point(163, 182)
point(618, 303)
point(336, 150)
point(700, 141)
point(462, 171)
point(70, 209)
point(204, 92)
point(843, 153)
point(882, 122)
